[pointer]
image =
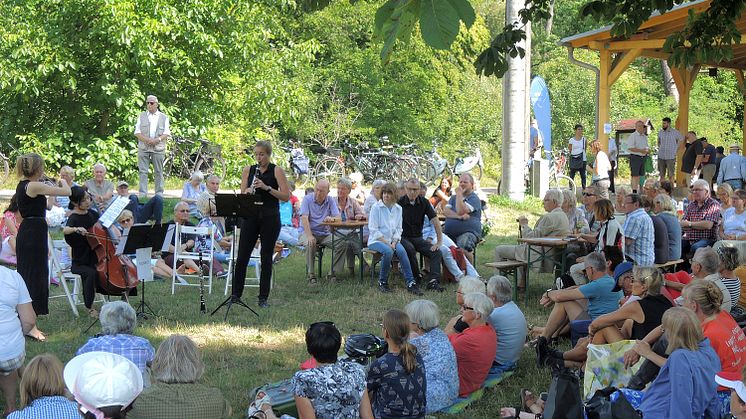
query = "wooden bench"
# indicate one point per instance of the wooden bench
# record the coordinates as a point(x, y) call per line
point(375, 260)
point(671, 263)
point(510, 268)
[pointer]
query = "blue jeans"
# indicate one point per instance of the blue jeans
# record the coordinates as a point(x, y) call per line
point(387, 254)
point(735, 183)
point(153, 209)
point(498, 370)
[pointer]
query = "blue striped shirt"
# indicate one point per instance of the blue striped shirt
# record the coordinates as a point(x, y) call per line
point(48, 407)
point(638, 226)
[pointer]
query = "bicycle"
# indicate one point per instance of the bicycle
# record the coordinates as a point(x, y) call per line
point(298, 163)
point(557, 178)
point(189, 155)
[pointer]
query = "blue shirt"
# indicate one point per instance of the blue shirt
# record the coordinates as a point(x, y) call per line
point(685, 386)
point(639, 227)
point(601, 298)
point(510, 327)
point(317, 213)
point(731, 168)
point(286, 213)
point(134, 348)
point(441, 372)
point(455, 228)
point(393, 392)
point(48, 407)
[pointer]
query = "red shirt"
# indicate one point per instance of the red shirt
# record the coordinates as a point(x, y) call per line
point(475, 350)
point(728, 341)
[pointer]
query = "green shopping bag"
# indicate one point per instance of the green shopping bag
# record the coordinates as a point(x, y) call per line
point(648, 164)
point(605, 367)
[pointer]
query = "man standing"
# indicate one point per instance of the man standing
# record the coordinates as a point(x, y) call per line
point(732, 168)
point(152, 130)
point(692, 156)
point(638, 232)
point(464, 216)
point(535, 140)
point(414, 210)
point(668, 143)
point(638, 148)
point(151, 210)
point(317, 207)
point(709, 161)
point(100, 188)
point(700, 221)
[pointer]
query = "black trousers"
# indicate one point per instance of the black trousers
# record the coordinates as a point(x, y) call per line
point(265, 228)
point(582, 175)
point(88, 276)
point(417, 244)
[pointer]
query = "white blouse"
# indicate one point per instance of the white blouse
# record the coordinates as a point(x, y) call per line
point(384, 223)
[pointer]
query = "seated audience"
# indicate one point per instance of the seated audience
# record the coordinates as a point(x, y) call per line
point(441, 195)
point(396, 381)
point(705, 265)
point(118, 322)
point(375, 195)
point(728, 263)
point(335, 388)
point(724, 194)
point(575, 216)
point(289, 218)
point(347, 241)
point(638, 232)
point(356, 191)
point(415, 210)
point(735, 383)
point(464, 216)
point(176, 393)
point(18, 318)
point(43, 391)
point(651, 188)
point(466, 285)
point(438, 357)
point(125, 220)
point(590, 195)
point(165, 265)
point(622, 191)
point(553, 223)
point(701, 220)
point(212, 184)
point(67, 174)
point(385, 227)
point(660, 232)
point(449, 261)
point(317, 207)
point(101, 189)
point(731, 168)
point(476, 346)
point(733, 226)
point(104, 384)
point(151, 210)
point(222, 243)
point(509, 324)
point(596, 298)
point(685, 386)
point(665, 210)
point(609, 234)
point(8, 231)
point(666, 188)
point(193, 188)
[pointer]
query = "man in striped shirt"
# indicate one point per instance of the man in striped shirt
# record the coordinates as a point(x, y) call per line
point(668, 142)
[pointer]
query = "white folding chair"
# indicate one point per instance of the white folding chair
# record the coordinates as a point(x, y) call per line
point(253, 281)
point(63, 275)
point(183, 234)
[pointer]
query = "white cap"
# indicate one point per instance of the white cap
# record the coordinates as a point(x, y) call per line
point(732, 380)
point(101, 379)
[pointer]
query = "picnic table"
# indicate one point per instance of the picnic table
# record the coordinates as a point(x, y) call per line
point(348, 225)
point(545, 248)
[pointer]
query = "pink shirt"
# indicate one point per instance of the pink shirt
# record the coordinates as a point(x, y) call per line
point(475, 349)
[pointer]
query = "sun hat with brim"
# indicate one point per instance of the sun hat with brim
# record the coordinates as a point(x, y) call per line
point(732, 380)
point(734, 147)
point(102, 379)
point(620, 270)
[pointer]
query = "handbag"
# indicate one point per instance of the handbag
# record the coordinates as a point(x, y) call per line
point(563, 401)
point(605, 366)
point(576, 161)
point(600, 406)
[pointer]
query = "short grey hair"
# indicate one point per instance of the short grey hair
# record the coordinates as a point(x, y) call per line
point(117, 317)
point(555, 195)
point(346, 182)
point(596, 260)
point(480, 303)
point(498, 287)
point(99, 165)
point(703, 183)
point(214, 177)
point(179, 204)
point(378, 183)
point(708, 258)
point(665, 202)
point(569, 196)
point(178, 360)
point(197, 175)
point(424, 313)
point(468, 284)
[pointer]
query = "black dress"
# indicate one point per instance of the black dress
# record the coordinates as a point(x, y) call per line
point(83, 258)
point(32, 247)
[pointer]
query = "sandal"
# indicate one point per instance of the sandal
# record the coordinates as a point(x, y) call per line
point(36, 335)
point(255, 408)
point(515, 415)
point(93, 313)
point(528, 402)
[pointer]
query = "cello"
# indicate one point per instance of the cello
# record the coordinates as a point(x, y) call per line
point(117, 275)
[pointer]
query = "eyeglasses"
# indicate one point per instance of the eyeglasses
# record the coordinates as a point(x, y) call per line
point(588, 194)
point(126, 220)
point(152, 103)
point(465, 308)
point(184, 210)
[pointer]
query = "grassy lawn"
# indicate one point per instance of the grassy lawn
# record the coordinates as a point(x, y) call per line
point(248, 351)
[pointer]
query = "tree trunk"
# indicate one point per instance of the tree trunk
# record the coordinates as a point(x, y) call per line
point(550, 20)
point(668, 83)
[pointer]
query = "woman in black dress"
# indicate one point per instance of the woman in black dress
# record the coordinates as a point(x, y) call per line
point(32, 240)
point(268, 182)
point(84, 259)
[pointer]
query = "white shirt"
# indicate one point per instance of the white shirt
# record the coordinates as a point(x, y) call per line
point(612, 150)
point(153, 119)
point(577, 145)
point(14, 293)
point(637, 140)
point(603, 165)
point(384, 223)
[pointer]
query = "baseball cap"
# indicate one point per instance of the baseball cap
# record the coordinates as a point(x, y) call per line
point(732, 380)
point(620, 270)
point(122, 183)
point(101, 379)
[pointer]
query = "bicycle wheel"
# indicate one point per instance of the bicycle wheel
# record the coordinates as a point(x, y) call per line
point(562, 182)
point(5, 169)
point(329, 169)
point(426, 171)
point(477, 172)
point(211, 166)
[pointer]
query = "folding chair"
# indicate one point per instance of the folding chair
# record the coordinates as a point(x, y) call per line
point(63, 275)
point(184, 233)
point(255, 257)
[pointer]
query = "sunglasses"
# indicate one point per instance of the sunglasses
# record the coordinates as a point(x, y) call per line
point(588, 194)
point(126, 220)
point(152, 103)
point(465, 308)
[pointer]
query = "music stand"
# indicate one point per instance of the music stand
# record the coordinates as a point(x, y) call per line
point(144, 236)
point(243, 205)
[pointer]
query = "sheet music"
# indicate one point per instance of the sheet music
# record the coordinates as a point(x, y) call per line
point(112, 213)
point(144, 268)
point(169, 237)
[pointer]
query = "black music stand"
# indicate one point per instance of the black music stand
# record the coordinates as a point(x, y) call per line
point(232, 205)
point(141, 236)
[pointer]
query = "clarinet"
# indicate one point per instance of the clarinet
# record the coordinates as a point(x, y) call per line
point(202, 306)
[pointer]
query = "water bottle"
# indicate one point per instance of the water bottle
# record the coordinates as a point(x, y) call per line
point(680, 208)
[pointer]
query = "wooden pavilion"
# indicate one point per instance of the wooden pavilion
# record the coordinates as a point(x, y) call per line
point(616, 54)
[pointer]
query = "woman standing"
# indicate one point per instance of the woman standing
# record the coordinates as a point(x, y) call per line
point(600, 169)
point(269, 184)
point(32, 240)
point(84, 259)
point(578, 159)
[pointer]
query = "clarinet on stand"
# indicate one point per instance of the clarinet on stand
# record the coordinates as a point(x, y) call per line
point(203, 271)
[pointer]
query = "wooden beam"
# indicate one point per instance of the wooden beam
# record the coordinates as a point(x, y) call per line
point(622, 64)
point(742, 87)
point(627, 45)
point(655, 54)
point(604, 98)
